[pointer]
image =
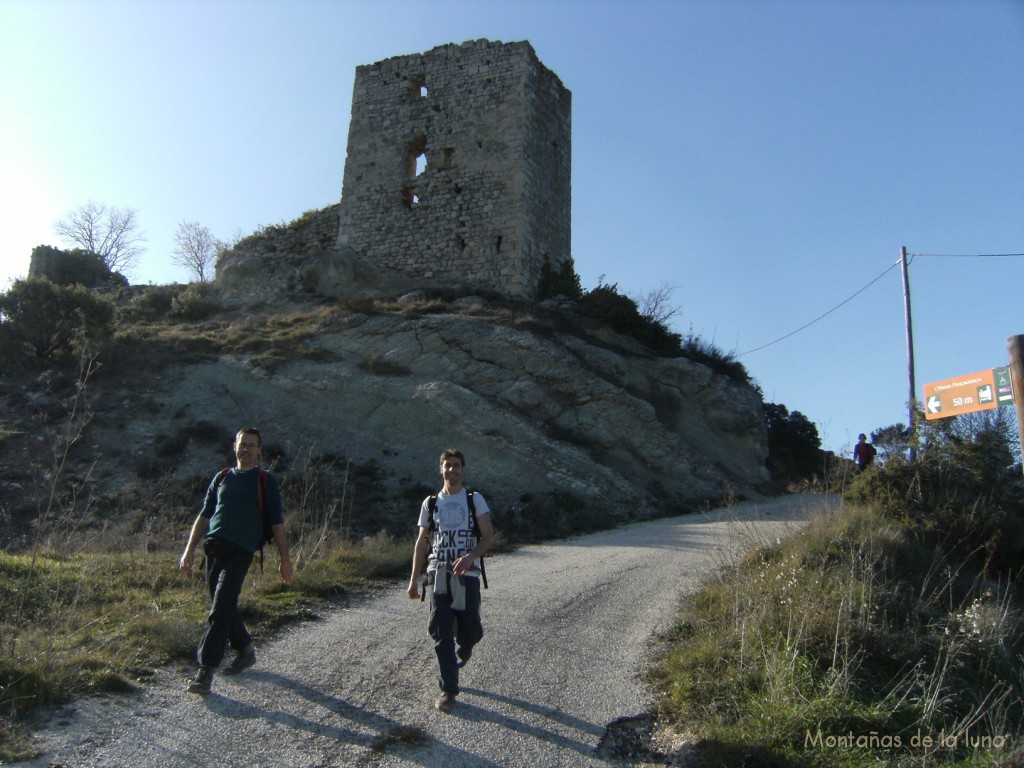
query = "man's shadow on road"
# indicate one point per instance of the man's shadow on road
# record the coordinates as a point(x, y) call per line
point(476, 713)
point(391, 735)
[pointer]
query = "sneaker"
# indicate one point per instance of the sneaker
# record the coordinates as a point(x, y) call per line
point(202, 681)
point(245, 659)
point(445, 702)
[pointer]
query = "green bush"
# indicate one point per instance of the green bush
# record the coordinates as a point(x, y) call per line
point(194, 303)
point(794, 447)
point(962, 487)
point(564, 282)
point(41, 321)
point(154, 301)
point(621, 314)
point(706, 353)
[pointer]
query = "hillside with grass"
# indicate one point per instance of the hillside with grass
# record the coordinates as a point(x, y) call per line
point(888, 634)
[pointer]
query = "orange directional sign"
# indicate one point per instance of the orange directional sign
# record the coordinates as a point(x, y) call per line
point(966, 394)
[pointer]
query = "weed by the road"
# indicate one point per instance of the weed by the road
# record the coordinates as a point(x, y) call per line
point(855, 643)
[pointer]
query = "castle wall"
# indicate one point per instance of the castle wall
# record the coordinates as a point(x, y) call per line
point(459, 167)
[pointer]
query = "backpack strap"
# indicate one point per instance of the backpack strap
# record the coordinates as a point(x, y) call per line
point(432, 509)
point(476, 533)
point(265, 528)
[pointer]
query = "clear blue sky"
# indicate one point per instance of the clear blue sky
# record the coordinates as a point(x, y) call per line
point(767, 159)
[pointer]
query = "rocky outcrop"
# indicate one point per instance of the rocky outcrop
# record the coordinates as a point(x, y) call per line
point(540, 412)
point(566, 425)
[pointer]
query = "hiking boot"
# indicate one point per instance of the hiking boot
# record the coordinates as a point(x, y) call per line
point(202, 681)
point(445, 702)
point(245, 659)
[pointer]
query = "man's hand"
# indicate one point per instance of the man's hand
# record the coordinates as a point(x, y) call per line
point(185, 564)
point(286, 570)
point(414, 588)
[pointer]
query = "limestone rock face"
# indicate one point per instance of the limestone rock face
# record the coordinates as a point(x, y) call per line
point(536, 413)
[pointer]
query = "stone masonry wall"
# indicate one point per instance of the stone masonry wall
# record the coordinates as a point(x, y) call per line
point(281, 257)
point(459, 167)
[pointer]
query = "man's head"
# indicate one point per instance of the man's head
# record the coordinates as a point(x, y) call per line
point(248, 443)
point(453, 464)
point(450, 454)
point(862, 437)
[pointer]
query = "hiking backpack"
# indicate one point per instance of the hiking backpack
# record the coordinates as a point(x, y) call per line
point(474, 527)
point(267, 534)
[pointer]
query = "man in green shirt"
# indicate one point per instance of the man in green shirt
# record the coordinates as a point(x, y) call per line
point(230, 527)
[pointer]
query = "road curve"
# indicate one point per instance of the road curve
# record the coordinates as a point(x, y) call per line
point(569, 626)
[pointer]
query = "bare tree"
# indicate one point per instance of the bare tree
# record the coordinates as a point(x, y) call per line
point(655, 304)
point(111, 233)
point(197, 248)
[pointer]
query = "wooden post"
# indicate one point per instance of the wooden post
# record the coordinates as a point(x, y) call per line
point(912, 400)
point(1015, 346)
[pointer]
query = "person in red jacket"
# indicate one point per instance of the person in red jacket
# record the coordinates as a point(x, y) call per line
point(863, 452)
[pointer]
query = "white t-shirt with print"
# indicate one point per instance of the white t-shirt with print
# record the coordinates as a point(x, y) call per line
point(453, 535)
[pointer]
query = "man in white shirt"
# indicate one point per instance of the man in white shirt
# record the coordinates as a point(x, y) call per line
point(454, 533)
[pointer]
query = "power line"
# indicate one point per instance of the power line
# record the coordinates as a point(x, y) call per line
point(966, 255)
point(824, 315)
point(845, 301)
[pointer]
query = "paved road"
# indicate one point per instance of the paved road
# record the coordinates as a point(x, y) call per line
point(569, 627)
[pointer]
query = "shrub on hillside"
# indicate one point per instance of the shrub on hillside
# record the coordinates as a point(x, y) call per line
point(41, 321)
point(194, 303)
point(564, 282)
point(962, 487)
point(621, 314)
point(153, 302)
point(794, 447)
point(696, 348)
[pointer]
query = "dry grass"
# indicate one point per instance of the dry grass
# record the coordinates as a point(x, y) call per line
point(848, 645)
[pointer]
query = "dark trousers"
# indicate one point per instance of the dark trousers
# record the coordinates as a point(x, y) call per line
point(454, 632)
point(226, 568)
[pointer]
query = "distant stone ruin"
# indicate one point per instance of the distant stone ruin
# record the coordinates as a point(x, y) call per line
point(458, 174)
point(459, 167)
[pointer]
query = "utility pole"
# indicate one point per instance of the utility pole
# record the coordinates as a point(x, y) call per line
point(910, 354)
point(1015, 346)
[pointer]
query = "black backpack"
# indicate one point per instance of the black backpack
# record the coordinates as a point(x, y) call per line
point(474, 526)
point(268, 530)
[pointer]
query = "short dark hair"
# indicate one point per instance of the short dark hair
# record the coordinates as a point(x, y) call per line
point(250, 431)
point(452, 453)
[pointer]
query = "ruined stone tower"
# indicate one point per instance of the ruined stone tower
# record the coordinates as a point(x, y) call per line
point(459, 167)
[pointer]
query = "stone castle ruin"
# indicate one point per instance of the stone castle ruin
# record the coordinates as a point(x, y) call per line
point(458, 166)
point(458, 172)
